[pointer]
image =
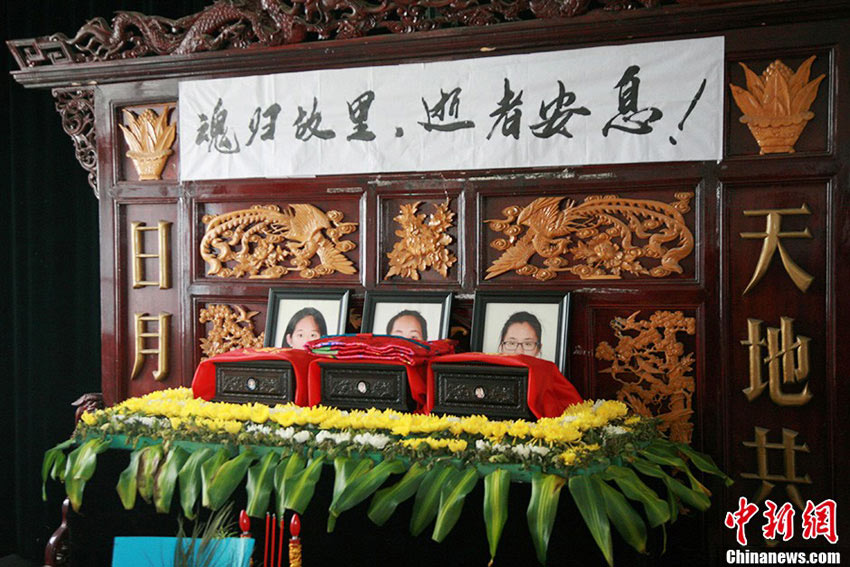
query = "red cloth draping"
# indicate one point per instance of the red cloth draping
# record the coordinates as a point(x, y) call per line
point(416, 374)
point(549, 393)
point(399, 350)
point(203, 384)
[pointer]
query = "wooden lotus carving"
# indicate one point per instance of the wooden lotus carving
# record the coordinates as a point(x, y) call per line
point(596, 239)
point(150, 137)
point(423, 243)
point(267, 242)
point(659, 380)
point(776, 104)
point(232, 328)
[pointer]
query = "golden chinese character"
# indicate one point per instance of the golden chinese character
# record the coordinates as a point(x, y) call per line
point(781, 347)
point(162, 336)
point(772, 243)
point(139, 256)
point(789, 449)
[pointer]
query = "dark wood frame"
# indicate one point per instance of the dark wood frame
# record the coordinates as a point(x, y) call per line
point(276, 294)
point(561, 299)
point(435, 297)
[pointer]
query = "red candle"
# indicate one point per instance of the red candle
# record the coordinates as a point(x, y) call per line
point(266, 552)
point(280, 543)
point(274, 527)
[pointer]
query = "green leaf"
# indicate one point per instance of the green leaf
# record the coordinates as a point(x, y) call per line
point(361, 482)
point(591, 505)
point(452, 497)
point(386, 500)
point(627, 522)
point(633, 487)
point(288, 467)
point(542, 509)
point(189, 480)
point(704, 463)
point(80, 467)
point(149, 461)
point(260, 483)
point(53, 465)
point(208, 470)
point(225, 480)
point(299, 488)
point(428, 497)
point(695, 498)
point(127, 481)
point(166, 479)
point(497, 485)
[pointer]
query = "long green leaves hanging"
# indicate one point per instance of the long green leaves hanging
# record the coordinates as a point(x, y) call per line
point(609, 461)
point(497, 484)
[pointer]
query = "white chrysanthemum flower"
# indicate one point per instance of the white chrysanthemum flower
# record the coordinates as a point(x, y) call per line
point(376, 440)
point(521, 450)
point(540, 450)
point(301, 436)
point(481, 445)
point(285, 433)
point(597, 404)
point(614, 430)
point(568, 419)
point(453, 419)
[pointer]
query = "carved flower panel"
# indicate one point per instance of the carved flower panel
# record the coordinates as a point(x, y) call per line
point(229, 326)
point(418, 240)
point(296, 240)
point(147, 143)
point(602, 237)
point(647, 358)
point(793, 121)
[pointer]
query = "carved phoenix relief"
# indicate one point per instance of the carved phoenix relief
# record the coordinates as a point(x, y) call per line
point(267, 242)
point(596, 239)
point(232, 328)
point(657, 373)
point(424, 244)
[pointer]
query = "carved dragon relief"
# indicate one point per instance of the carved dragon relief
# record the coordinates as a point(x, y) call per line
point(424, 244)
point(232, 328)
point(596, 239)
point(262, 239)
point(240, 24)
point(660, 381)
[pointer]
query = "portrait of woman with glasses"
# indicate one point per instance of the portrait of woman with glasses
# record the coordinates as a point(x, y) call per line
point(521, 334)
point(537, 325)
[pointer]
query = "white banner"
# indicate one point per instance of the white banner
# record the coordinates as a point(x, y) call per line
point(648, 102)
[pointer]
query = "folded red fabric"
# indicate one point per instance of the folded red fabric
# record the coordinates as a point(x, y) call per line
point(416, 374)
point(549, 393)
point(203, 384)
point(386, 347)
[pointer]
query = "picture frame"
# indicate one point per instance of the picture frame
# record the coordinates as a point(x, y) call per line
point(328, 309)
point(411, 315)
point(544, 314)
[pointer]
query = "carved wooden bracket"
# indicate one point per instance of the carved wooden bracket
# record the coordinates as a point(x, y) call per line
point(268, 23)
point(76, 107)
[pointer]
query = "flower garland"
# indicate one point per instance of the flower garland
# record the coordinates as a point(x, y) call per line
point(584, 433)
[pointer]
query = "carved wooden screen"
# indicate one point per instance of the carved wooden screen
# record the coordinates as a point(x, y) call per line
point(705, 293)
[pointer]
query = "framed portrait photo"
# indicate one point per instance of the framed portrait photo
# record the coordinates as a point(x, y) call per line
point(422, 316)
point(536, 324)
point(295, 317)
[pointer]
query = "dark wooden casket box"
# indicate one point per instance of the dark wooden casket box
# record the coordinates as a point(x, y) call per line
point(494, 391)
point(362, 385)
point(265, 381)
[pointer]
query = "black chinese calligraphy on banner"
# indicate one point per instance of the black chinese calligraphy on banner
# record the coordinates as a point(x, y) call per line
point(648, 102)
